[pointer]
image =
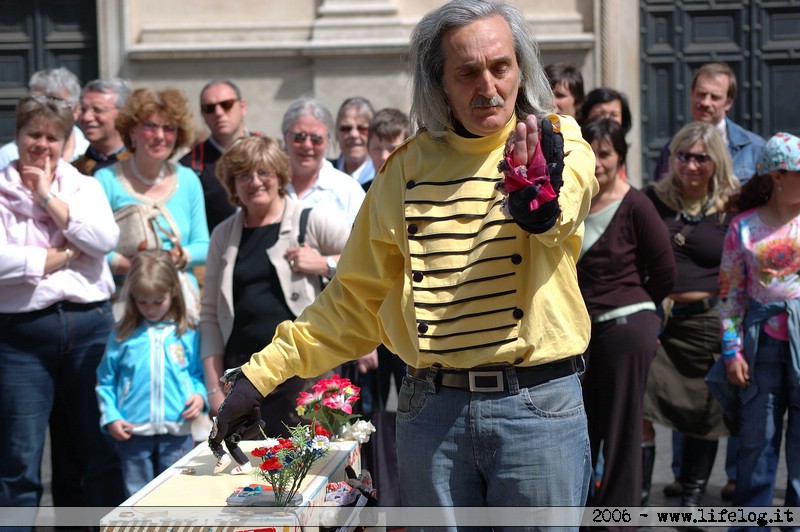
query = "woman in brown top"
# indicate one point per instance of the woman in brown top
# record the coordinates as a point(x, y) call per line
point(625, 270)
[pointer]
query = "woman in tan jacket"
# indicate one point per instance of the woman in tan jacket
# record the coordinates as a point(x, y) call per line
point(258, 271)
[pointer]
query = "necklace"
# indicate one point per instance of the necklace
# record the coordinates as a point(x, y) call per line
point(694, 219)
point(146, 180)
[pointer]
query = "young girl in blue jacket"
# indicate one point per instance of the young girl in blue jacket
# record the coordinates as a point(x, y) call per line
point(150, 381)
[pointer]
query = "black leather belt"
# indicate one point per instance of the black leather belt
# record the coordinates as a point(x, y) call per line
point(56, 307)
point(495, 378)
point(685, 310)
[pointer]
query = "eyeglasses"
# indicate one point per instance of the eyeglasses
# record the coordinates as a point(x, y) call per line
point(262, 176)
point(699, 158)
point(152, 127)
point(300, 138)
point(226, 105)
point(348, 128)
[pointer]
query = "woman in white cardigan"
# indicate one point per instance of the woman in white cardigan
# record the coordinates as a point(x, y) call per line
point(258, 273)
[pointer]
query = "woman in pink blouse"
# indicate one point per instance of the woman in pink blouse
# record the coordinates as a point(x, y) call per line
point(760, 316)
point(56, 228)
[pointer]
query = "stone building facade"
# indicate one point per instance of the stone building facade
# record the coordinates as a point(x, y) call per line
point(276, 51)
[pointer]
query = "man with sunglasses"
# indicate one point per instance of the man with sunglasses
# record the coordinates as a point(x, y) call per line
point(352, 131)
point(713, 91)
point(223, 110)
point(306, 126)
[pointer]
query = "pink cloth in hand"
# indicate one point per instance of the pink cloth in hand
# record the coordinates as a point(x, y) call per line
point(519, 177)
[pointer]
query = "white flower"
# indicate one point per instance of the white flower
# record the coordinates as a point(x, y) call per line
point(359, 431)
point(269, 443)
point(319, 443)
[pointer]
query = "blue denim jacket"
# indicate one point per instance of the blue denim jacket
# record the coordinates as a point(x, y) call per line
point(728, 395)
point(744, 147)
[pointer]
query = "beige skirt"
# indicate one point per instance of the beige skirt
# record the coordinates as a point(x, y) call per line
point(677, 395)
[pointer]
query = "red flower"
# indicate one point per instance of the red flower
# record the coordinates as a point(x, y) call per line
point(259, 451)
point(319, 430)
point(270, 464)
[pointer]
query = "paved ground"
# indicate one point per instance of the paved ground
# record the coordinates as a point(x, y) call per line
point(662, 474)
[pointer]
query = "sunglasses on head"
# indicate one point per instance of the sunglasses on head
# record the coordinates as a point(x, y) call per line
point(699, 158)
point(52, 101)
point(209, 108)
point(300, 138)
point(347, 129)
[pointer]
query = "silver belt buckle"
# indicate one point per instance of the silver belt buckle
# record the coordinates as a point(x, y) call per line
point(498, 375)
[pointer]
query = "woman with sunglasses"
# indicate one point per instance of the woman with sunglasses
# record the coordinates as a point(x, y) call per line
point(56, 228)
point(306, 128)
point(154, 125)
point(691, 201)
point(245, 297)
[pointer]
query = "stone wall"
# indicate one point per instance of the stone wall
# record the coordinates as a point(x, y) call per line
point(277, 50)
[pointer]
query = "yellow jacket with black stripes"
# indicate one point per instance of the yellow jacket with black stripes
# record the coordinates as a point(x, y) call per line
point(438, 273)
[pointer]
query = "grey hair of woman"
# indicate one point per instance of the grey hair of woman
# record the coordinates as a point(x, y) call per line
point(307, 105)
point(119, 86)
point(429, 106)
point(362, 106)
point(55, 80)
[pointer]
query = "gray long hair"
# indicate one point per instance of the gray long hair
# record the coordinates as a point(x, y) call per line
point(429, 107)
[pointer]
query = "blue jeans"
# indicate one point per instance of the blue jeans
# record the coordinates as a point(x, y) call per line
point(45, 356)
point(761, 429)
point(457, 448)
point(145, 457)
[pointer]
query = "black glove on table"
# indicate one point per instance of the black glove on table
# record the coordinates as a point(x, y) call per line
point(239, 419)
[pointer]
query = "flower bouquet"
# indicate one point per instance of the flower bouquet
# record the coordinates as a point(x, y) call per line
point(331, 406)
point(285, 462)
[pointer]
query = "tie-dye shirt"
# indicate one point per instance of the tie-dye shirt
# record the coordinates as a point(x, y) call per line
point(759, 262)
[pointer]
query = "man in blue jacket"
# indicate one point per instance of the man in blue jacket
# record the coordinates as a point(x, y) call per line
point(713, 91)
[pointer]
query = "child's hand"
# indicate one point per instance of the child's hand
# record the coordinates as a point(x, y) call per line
point(194, 405)
point(120, 430)
point(738, 372)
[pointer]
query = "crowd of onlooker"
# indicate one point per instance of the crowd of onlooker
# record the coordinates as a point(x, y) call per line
point(691, 288)
point(138, 265)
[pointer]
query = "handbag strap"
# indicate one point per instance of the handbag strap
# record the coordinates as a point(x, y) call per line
point(303, 226)
point(679, 238)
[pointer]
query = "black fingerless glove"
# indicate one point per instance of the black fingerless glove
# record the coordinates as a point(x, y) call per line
point(553, 151)
point(239, 417)
point(546, 214)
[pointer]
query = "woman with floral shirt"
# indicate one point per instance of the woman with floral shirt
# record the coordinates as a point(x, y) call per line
point(760, 318)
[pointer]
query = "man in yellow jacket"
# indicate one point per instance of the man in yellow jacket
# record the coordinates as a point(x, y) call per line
point(468, 273)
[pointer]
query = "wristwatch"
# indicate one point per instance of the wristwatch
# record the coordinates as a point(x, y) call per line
point(331, 268)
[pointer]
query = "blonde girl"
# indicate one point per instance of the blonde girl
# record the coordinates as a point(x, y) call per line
point(150, 381)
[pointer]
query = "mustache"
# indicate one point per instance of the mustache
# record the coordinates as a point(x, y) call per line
point(494, 101)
